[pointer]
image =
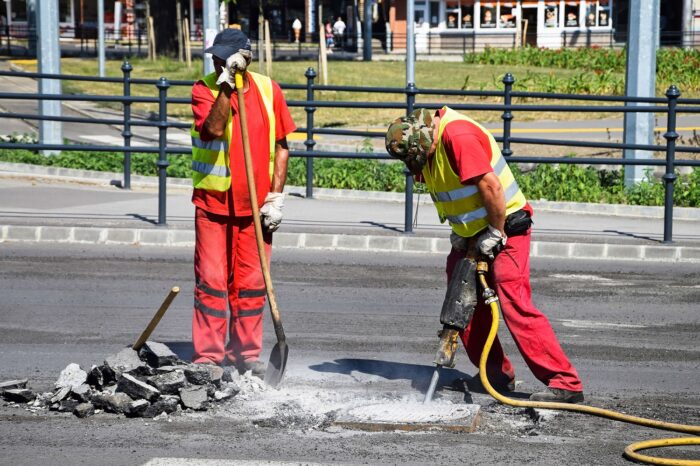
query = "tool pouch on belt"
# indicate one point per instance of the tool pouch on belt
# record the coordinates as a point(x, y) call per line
point(517, 223)
point(461, 296)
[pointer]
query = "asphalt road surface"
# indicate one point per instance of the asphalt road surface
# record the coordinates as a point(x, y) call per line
point(361, 328)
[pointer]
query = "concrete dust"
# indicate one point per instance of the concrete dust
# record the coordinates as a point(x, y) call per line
point(304, 408)
point(411, 412)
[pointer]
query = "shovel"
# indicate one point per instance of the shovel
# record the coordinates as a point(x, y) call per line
point(278, 358)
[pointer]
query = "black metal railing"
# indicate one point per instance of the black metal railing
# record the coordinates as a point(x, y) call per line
point(670, 106)
point(430, 41)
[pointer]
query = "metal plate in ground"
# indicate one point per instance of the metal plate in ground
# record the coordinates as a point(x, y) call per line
point(412, 416)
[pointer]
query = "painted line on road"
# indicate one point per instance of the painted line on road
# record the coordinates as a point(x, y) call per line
point(580, 277)
point(219, 462)
point(594, 325)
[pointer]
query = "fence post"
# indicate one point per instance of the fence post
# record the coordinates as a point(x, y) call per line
point(670, 176)
point(411, 92)
point(309, 143)
point(507, 116)
point(126, 131)
point(162, 163)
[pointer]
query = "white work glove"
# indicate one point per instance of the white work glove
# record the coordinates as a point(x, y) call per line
point(490, 242)
point(238, 61)
point(271, 211)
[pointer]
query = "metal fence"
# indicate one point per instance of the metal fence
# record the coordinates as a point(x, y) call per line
point(671, 106)
point(14, 40)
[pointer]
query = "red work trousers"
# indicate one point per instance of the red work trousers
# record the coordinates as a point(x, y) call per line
point(533, 334)
point(227, 276)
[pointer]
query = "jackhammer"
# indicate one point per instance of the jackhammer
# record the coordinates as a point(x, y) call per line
point(457, 310)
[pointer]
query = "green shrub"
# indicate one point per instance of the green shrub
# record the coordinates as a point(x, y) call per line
point(563, 182)
point(603, 69)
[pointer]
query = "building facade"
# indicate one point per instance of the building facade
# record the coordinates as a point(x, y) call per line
point(464, 25)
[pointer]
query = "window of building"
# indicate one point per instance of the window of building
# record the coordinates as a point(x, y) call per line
point(467, 14)
point(19, 10)
point(488, 15)
point(603, 13)
point(507, 15)
point(419, 14)
point(571, 14)
point(459, 14)
point(434, 14)
point(551, 15)
point(598, 13)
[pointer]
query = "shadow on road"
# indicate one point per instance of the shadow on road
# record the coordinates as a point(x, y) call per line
point(418, 374)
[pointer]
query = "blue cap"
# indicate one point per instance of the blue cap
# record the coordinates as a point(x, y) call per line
point(228, 42)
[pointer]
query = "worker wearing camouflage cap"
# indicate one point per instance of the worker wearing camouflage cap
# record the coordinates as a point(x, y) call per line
point(475, 191)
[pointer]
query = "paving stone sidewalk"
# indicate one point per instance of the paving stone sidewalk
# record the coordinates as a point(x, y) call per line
point(39, 204)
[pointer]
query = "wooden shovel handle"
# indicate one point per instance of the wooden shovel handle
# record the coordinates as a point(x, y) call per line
point(276, 319)
point(156, 318)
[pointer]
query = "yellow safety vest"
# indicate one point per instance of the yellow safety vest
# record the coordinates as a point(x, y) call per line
point(461, 204)
point(210, 159)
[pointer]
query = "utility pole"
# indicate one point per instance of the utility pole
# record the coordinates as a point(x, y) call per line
point(687, 26)
point(31, 28)
point(101, 37)
point(49, 62)
point(211, 25)
point(640, 81)
point(367, 36)
point(410, 45)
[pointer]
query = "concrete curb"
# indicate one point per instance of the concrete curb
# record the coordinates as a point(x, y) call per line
point(332, 242)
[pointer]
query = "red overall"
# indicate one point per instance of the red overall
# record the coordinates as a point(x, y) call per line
point(228, 276)
point(468, 151)
point(531, 330)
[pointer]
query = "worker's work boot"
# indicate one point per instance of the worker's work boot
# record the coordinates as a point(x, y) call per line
point(255, 366)
point(502, 385)
point(557, 395)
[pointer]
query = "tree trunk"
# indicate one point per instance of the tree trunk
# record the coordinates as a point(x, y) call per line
point(165, 22)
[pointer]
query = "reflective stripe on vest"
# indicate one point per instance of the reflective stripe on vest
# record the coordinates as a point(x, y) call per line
point(210, 159)
point(459, 204)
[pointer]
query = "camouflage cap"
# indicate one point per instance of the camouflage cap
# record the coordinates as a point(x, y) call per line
point(410, 135)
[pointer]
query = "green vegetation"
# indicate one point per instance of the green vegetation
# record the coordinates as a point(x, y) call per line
point(587, 70)
point(446, 75)
point(600, 70)
point(552, 182)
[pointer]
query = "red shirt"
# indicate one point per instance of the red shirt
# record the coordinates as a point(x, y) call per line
point(468, 150)
point(236, 200)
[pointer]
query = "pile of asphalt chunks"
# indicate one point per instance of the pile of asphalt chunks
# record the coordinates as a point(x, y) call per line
point(146, 383)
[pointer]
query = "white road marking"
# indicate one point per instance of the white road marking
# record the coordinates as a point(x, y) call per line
point(218, 462)
point(602, 281)
point(580, 277)
point(593, 325)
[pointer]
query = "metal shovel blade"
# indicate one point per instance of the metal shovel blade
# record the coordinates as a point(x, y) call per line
point(277, 364)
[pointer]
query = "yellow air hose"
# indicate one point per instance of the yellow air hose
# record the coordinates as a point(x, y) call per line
point(631, 450)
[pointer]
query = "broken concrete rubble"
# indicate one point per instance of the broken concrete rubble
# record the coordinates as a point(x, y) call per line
point(157, 354)
point(169, 383)
point(81, 393)
point(12, 384)
point(194, 397)
point(124, 361)
point(19, 395)
point(72, 376)
point(111, 403)
point(150, 383)
point(198, 374)
point(137, 389)
point(84, 410)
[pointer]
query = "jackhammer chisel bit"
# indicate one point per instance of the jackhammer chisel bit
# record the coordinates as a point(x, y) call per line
point(457, 311)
